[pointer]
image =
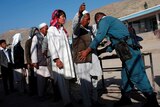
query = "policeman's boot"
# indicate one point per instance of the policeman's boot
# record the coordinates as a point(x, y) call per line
point(151, 101)
point(125, 100)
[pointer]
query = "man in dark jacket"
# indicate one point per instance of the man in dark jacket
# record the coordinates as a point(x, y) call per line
point(32, 78)
point(6, 67)
point(18, 63)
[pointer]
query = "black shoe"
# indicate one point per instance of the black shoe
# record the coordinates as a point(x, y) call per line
point(123, 101)
point(1, 101)
point(13, 90)
point(151, 101)
point(80, 101)
point(97, 104)
point(69, 105)
point(31, 94)
point(54, 99)
point(150, 105)
point(41, 99)
point(7, 93)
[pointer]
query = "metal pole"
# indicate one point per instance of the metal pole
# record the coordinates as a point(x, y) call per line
point(152, 72)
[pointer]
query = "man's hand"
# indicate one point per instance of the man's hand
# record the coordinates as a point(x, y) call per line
point(45, 53)
point(59, 63)
point(82, 8)
point(30, 66)
point(35, 65)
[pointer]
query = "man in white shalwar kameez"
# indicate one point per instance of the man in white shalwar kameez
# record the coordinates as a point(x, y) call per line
point(39, 60)
point(62, 64)
point(88, 71)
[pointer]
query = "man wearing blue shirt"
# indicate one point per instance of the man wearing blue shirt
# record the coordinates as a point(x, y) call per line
point(133, 70)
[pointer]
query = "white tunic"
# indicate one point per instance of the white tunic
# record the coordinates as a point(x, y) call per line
point(43, 70)
point(94, 68)
point(59, 47)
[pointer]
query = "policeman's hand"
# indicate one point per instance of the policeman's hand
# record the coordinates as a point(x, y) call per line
point(83, 54)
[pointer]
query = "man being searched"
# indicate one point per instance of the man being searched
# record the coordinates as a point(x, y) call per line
point(89, 70)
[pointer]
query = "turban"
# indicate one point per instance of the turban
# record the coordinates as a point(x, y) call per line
point(54, 19)
point(16, 38)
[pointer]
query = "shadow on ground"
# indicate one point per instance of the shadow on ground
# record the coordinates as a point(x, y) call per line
point(109, 92)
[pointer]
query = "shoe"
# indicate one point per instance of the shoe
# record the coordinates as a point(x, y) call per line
point(1, 101)
point(13, 90)
point(41, 99)
point(123, 101)
point(7, 92)
point(80, 101)
point(97, 104)
point(55, 99)
point(151, 101)
point(69, 105)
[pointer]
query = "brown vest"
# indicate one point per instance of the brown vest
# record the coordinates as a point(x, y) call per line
point(81, 43)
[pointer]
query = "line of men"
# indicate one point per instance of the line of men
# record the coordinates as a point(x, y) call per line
point(49, 55)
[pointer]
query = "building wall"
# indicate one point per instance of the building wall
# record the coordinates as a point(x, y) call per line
point(145, 23)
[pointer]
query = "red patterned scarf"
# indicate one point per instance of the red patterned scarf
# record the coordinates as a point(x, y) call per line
point(54, 22)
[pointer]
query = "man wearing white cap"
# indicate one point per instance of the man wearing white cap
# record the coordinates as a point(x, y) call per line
point(38, 59)
point(88, 70)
